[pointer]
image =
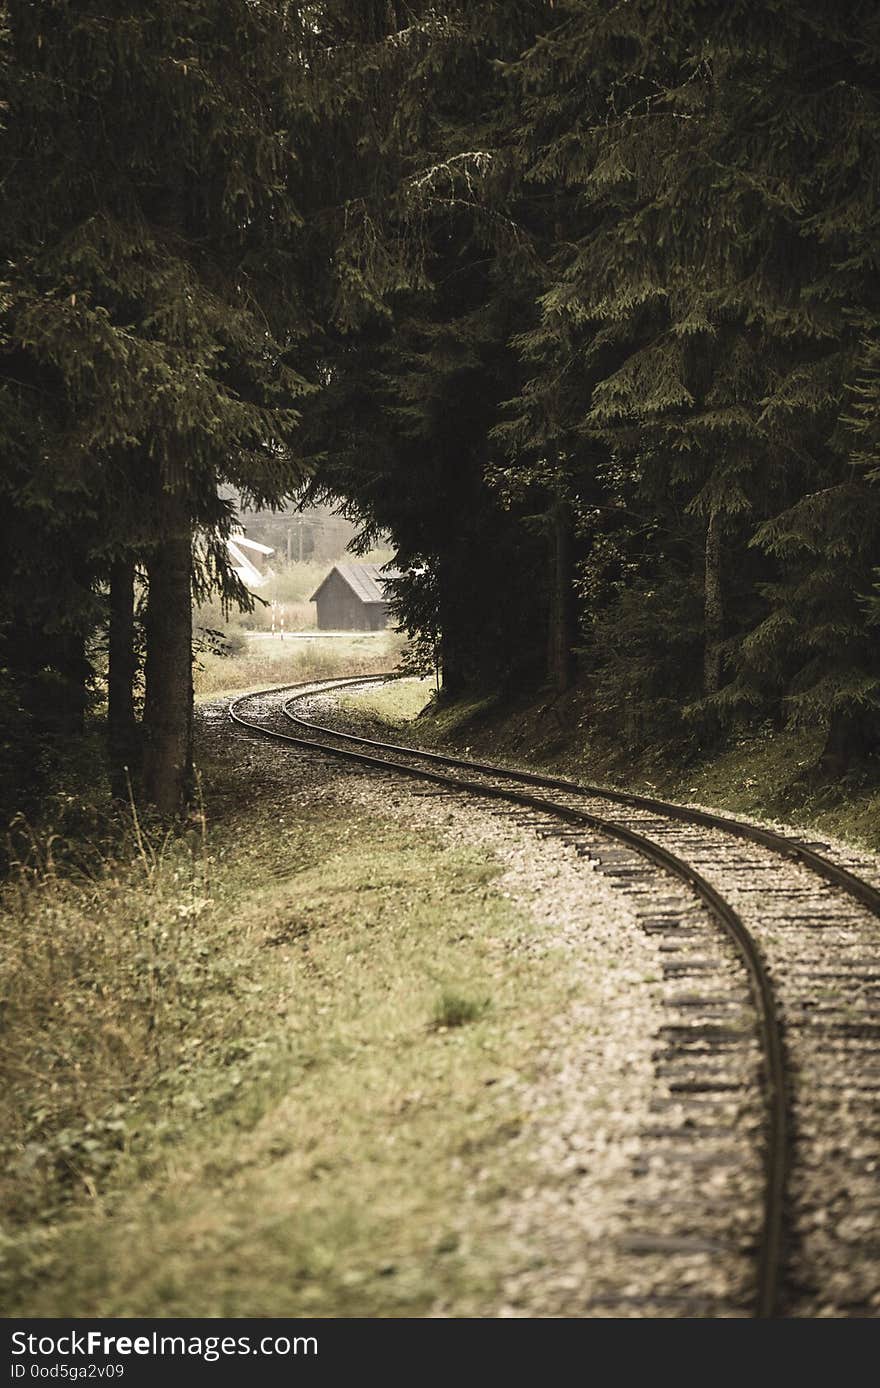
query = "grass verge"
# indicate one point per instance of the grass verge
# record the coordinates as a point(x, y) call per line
point(395, 704)
point(269, 1069)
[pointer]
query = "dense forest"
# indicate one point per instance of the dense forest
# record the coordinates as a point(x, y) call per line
point(578, 300)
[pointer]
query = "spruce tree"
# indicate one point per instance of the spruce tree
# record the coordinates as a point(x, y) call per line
point(710, 291)
point(150, 170)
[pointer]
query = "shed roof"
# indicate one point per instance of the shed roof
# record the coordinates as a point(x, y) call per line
point(366, 581)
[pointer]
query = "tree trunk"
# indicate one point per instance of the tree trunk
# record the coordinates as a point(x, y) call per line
point(451, 648)
point(122, 737)
point(561, 618)
point(168, 702)
point(714, 607)
point(847, 744)
point(452, 675)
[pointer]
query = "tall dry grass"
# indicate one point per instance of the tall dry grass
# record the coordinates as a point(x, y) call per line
point(265, 661)
point(105, 978)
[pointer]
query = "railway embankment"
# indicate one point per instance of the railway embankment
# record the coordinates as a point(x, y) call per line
point(772, 776)
point(361, 1043)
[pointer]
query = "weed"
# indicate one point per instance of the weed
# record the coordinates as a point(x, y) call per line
point(453, 1009)
point(395, 704)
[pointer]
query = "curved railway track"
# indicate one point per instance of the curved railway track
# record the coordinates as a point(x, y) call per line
point(737, 909)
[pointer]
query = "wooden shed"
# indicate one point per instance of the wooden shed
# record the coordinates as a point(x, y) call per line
point(352, 598)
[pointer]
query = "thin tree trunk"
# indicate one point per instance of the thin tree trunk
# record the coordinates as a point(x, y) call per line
point(43, 663)
point(64, 693)
point(453, 681)
point(168, 702)
point(561, 624)
point(57, 693)
point(122, 736)
point(847, 744)
point(714, 607)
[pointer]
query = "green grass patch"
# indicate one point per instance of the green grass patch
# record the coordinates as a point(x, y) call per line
point(771, 777)
point(230, 1087)
point(768, 775)
point(462, 720)
point(396, 703)
point(454, 1009)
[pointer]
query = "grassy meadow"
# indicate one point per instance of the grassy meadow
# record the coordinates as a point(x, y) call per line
point(239, 651)
point(266, 660)
point(395, 704)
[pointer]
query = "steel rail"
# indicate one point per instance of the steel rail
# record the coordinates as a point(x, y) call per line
point(832, 872)
point(776, 1158)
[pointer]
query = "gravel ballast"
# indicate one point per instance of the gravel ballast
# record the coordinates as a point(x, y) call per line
point(644, 1197)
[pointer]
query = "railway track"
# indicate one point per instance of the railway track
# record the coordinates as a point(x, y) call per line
point(769, 1069)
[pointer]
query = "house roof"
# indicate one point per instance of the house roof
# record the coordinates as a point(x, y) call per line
point(239, 538)
point(366, 581)
point(249, 575)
